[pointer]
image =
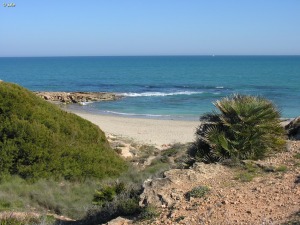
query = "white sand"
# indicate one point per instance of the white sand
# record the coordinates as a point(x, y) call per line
point(147, 131)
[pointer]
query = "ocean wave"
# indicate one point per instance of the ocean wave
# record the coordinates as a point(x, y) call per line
point(150, 94)
point(135, 114)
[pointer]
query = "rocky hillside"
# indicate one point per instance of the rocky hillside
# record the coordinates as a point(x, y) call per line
point(255, 192)
point(259, 192)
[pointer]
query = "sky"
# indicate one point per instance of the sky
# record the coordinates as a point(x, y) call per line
point(149, 27)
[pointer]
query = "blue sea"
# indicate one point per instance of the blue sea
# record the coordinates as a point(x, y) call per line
point(163, 87)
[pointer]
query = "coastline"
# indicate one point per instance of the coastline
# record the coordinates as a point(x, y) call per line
point(145, 131)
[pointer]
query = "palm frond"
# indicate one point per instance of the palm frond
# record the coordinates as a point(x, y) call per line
point(246, 127)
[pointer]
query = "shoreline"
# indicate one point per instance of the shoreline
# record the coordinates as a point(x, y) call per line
point(157, 132)
point(145, 131)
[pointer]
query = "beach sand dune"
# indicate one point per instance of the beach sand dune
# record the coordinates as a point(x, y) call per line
point(146, 131)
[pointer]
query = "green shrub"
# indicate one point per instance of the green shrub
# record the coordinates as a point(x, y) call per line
point(115, 200)
point(247, 127)
point(4, 204)
point(245, 176)
point(281, 168)
point(106, 194)
point(149, 212)
point(28, 220)
point(39, 140)
point(198, 192)
point(297, 156)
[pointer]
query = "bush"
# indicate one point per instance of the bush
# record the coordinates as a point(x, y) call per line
point(197, 192)
point(108, 193)
point(112, 201)
point(39, 140)
point(149, 212)
point(247, 127)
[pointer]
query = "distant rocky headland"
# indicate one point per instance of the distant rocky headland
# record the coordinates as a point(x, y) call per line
point(78, 97)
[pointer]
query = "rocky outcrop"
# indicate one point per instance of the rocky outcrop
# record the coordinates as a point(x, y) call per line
point(293, 129)
point(77, 97)
point(165, 192)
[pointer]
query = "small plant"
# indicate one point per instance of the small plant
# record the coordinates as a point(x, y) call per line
point(11, 221)
point(245, 176)
point(4, 205)
point(297, 156)
point(149, 212)
point(251, 168)
point(115, 200)
point(27, 219)
point(248, 171)
point(281, 168)
point(107, 193)
point(198, 192)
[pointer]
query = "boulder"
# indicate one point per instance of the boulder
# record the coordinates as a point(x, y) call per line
point(293, 129)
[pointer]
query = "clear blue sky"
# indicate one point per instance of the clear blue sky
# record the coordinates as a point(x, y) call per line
point(149, 27)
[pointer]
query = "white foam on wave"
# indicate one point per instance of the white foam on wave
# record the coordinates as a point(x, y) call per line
point(135, 114)
point(84, 103)
point(150, 94)
point(219, 87)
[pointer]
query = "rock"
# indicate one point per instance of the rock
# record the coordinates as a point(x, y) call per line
point(77, 97)
point(159, 191)
point(119, 221)
point(293, 129)
point(156, 193)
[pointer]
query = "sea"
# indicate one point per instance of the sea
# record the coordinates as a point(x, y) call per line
point(162, 87)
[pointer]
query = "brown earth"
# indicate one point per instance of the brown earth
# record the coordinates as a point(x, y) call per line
point(272, 197)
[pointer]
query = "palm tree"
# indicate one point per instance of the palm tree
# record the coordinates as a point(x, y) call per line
point(247, 127)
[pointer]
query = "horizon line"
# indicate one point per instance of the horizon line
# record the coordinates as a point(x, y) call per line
point(162, 55)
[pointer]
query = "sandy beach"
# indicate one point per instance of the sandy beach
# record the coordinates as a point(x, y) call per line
point(147, 131)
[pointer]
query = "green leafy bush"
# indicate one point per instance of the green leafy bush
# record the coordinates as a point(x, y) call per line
point(39, 140)
point(149, 212)
point(108, 193)
point(247, 127)
point(112, 201)
point(198, 192)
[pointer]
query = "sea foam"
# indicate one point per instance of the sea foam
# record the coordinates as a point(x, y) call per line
point(151, 94)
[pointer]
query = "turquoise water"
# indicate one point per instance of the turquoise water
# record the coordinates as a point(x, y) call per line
point(174, 87)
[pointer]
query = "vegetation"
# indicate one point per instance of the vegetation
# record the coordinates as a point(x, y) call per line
point(149, 212)
point(198, 192)
point(297, 156)
point(113, 200)
point(281, 168)
point(38, 140)
point(27, 219)
point(246, 127)
point(245, 176)
point(92, 201)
